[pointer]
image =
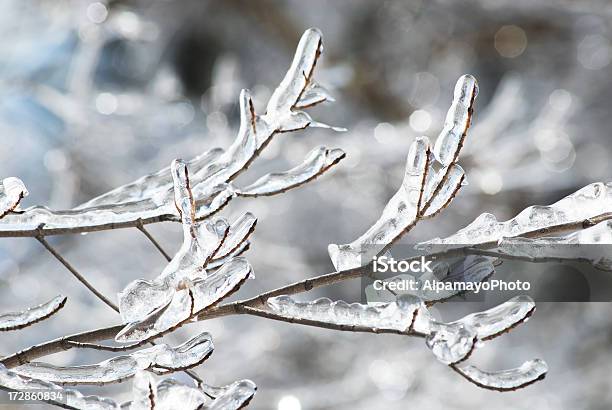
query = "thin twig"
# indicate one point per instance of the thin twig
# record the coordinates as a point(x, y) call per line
point(76, 274)
point(150, 237)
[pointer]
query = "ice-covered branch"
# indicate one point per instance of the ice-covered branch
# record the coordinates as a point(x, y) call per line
point(393, 317)
point(562, 248)
point(19, 320)
point(399, 215)
point(161, 358)
point(430, 184)
point(149, 199)
point(505, 380)
point(585, 207)
point(451, 343)
point(67, 398)
point(317, 162)
point(207, 268)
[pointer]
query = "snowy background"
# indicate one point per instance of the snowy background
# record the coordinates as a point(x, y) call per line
point(94, 95)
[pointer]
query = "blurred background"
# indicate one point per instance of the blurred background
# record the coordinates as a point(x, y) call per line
point(96, 94)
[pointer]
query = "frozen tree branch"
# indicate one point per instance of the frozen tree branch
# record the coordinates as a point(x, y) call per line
point(209, 267)
point(160, 358)
point(148, 200)
point(19, 320)
point(72, 399)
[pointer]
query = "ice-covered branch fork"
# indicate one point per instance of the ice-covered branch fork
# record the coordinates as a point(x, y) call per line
point(149, 199)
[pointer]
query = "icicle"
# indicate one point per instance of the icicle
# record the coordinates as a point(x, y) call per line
point(457, 121)
point(18, 320)
point(397, 315)
point(499, 319)
point(160, 357)
point(12, 191)
point(588, 202)
point(512, 379)
point(398, 216)
point(11, 380)
point(316, 163)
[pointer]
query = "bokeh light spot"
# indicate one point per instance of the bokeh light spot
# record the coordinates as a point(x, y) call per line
point(510, 41)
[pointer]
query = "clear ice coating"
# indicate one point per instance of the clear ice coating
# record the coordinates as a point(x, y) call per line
point(151, 197)
point(149, 186)
point(12, 191)
point(449, 180)
point(317, 162)
point(427, 187)
point(18, 320)
point(231, 397)
point(511, 379)
point(397, 315)
point(453, 342)
point(11, 380)
point(161, 358)
point(187, 284)
point(147, 394)
point(144, 393)
point(194, 295)
point(568, 247)
point(450, 342)
point(314, 94)
point(593, 200)
point(399, 214)
point(501, 318)
point(237, 234)
point(299, 76)
point(448, 143)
